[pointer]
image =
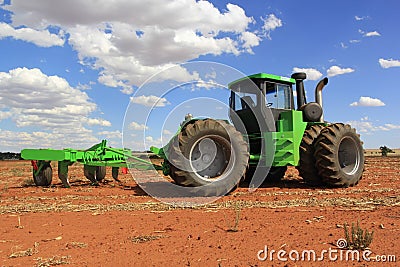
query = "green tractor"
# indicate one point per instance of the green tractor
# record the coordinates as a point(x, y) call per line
point(268, 133)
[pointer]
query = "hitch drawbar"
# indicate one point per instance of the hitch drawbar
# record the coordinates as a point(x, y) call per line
point(94, 159)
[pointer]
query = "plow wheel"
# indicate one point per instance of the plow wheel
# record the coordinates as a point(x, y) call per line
point(90, 174)
point(339, 155)
point(307, 169)
point(100, 173)
point(44, 177)
point(208, 152)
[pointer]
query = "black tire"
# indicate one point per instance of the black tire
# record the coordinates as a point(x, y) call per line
point(276, 174)
point(307, 169)
point(114, 173)
point(90, 174)
point(100, 173)
point(208, 152)
point(339, 155)
point(45, 175)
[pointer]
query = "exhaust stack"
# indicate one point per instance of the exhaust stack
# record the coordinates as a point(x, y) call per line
point(318, 94)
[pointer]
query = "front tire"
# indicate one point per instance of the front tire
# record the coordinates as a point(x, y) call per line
point(339, 155)
point(208, 153)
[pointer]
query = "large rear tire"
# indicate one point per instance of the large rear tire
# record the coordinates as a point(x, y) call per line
point(208, 153)
point(307, 169)
point(45, 175)
point(339, 155)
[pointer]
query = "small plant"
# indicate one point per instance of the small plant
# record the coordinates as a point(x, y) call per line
point(235, 226)
point(358, 239)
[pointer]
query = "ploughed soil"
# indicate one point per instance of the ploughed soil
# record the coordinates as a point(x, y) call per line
point(118, 224)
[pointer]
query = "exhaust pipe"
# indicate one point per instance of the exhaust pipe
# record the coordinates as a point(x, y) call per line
point(318, 94)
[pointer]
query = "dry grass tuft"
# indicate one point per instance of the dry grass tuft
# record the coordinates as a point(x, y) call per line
point(145, 238)
point(73, 244)
point(52, 261)
point(26, 253)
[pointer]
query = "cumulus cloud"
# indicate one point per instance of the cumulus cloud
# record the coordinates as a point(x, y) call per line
point(99, 122)
point(271, 22)
point(150, 101)
point(366, 126)
point(4, 115)
point(137, 126)
point(366, 101)
point(110, 135)
point(312, 74)
point(249, 40)
point(129, 41)
point(41, 38)
point(336, 70)
point(389, 63)
point(50, 106)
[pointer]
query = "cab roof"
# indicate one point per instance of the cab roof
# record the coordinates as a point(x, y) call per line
point(265, 76)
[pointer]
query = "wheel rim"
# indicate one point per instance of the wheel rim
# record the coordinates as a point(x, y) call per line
point(211, 157)
point(349, 156)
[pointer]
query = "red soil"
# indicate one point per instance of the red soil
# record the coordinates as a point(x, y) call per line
point(119, 225)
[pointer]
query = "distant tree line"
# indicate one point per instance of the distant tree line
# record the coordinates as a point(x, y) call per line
point(10, 156)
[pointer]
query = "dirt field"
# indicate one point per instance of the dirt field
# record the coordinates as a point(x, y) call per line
point(119, 225)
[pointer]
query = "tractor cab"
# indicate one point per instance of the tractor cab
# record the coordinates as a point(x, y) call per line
point(252, 96)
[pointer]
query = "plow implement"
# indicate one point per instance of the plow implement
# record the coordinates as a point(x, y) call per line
point(94, 160)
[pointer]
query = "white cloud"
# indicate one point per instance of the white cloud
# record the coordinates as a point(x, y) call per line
point(370, 34)
point(336, 70)
point(49, 106)
point(110, 134)
point(4, 115)
point(129, 41)
point(41, 38)
point(151, 141)
point(150, 101)
point(312, 74)
point(167, 132)
point(367, 126)
point(137, 126)
point(249, 40)
point(271, 22)
point(358, 18)
point(389, 63)
point(366, 101)
point(99, 122)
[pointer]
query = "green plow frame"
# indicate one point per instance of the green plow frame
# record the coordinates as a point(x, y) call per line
point(94, 159)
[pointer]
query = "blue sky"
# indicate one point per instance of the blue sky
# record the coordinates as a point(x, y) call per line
point(69, 69)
